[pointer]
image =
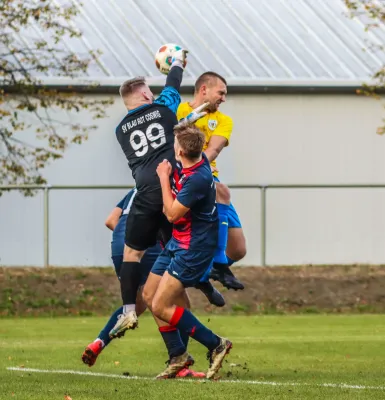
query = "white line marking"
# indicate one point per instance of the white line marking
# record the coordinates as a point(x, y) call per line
point(145, 378)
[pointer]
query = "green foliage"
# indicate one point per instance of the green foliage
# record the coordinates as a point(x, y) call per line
point(27, 106)
point(374, 14)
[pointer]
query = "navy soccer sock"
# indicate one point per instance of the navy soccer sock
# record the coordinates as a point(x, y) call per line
point(172, 340)
point(104, 333)
point(185, 321)
point(220, 253)
point(184, 335)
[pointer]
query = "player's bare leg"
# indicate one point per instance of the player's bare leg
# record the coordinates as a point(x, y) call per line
point(236, 244)
point(173, 369)
point(164, 308)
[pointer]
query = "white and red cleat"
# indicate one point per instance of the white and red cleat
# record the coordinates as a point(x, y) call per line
point(91, 352)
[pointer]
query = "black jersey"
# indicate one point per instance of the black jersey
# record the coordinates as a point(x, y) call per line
point(146, 135)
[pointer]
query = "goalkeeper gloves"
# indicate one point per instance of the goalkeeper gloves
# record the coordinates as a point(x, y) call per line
point(179, 58)
point(194, 115)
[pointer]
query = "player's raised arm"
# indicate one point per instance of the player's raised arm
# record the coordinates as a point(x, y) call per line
point(175, 76)
point(170, 96)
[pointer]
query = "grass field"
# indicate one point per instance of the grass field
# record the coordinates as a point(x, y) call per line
point(274, 357)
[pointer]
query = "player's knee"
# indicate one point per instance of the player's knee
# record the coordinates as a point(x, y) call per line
point(131, 254)
point(238, 253)
point(157, 308)
point(236, 247)
point(147, 297)
point(223, 193)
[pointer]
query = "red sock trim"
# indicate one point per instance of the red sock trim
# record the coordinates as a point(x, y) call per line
point(167, 328)
point(177, 315)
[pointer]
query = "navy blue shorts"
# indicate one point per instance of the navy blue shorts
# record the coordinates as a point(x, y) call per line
point(234, 221)
point(188, 266)
point(146, 264)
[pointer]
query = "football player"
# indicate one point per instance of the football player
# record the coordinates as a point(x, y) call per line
point(189, 203)
point(212, 88)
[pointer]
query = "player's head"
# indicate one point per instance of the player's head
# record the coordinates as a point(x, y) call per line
point(189, 141)
point(211, 87)
point(135, 92)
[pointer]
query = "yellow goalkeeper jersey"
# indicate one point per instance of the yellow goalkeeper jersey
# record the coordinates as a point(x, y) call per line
point(212, 124)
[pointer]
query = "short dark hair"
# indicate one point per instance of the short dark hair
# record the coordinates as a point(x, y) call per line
point(206, 78)
point(191, 139)
point(128, 87)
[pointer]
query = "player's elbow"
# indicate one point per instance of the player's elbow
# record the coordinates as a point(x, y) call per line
point(113, 219)
point(172, 218)
point(110, 223)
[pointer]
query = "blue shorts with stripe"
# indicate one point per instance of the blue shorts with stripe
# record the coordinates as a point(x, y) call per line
point(188, 266)
point(234, 221)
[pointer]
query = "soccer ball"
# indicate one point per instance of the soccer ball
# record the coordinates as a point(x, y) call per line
point(163, 57)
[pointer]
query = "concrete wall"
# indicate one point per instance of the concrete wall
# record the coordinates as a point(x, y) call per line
point(292, 139)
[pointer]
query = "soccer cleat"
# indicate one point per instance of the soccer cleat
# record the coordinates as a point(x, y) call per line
point(125, 322)
point(91, 352)
point(189, 373)
point(223, 274)
point(212, 294)
point(216, 357)
point(175, 365)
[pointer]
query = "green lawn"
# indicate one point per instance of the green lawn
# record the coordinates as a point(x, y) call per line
point(274, 357)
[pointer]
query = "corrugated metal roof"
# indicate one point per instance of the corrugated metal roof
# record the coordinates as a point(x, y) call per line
point(247, 41)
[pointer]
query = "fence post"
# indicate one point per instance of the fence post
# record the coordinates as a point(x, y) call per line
point(263, 225)
point(46, 226)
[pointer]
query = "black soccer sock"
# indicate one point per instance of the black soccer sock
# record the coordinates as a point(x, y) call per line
point(130, 276)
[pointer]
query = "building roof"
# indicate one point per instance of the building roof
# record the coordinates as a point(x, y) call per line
point(249, 42)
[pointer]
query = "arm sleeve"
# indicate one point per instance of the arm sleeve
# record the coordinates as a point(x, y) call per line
point(121, 202)
point(193, 190)
point(174, 77)
point(170, 98)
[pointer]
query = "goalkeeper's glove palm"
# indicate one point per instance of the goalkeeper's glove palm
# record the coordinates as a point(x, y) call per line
point(179, 58)
point(194, 115)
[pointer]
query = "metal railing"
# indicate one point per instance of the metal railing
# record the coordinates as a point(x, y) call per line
point(263, 206)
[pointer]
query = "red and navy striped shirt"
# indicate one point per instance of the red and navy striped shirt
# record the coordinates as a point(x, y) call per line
point(194, 188)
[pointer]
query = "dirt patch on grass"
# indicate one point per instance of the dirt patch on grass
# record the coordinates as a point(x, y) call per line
point(270, 290)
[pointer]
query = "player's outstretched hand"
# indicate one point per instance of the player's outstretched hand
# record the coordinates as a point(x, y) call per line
point(194, 115)
point(179, 58)
point(164, 169)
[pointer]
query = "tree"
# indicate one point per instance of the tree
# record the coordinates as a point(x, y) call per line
point(27, 107)
point(373, 12)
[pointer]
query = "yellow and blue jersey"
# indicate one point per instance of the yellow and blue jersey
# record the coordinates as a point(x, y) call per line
point(212, 124)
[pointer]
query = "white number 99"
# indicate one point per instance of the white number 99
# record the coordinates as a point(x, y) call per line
point(141, 147)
